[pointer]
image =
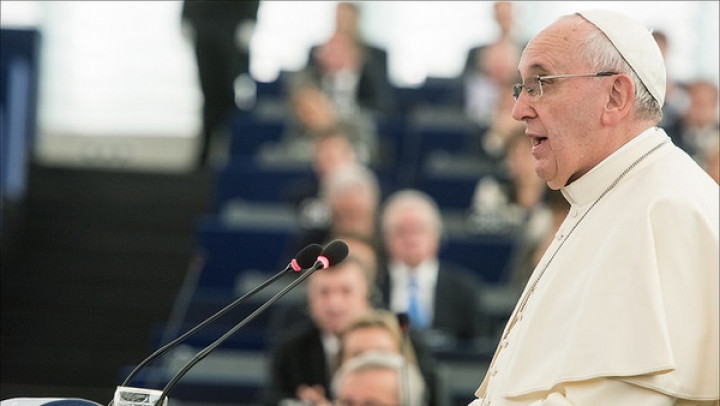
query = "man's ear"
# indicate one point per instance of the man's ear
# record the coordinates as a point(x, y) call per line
point(621, 99)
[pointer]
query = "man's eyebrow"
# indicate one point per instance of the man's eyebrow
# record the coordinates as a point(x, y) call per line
point(538, 69)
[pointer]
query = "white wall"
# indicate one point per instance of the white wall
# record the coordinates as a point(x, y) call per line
point(431, 38)
point(123, 68)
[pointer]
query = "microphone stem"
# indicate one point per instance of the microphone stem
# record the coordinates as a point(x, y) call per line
point(214, 317)
point(207, 350)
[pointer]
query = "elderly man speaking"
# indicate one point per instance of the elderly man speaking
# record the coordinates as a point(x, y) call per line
point(623, 306)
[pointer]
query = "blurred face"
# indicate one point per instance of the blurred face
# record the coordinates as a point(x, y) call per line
point(363, 252)
point(331, 153)
point(520, 161)
point(340, 52)
point(411, 237)
point(500, 61)
point(337, 296)
point(313, 109)
point(564, 124)
point(703, 110)
point(353, 211)
point(362, 340)
point(346, 19)
point(370, 387)
point(503, 15)
point(712, 165)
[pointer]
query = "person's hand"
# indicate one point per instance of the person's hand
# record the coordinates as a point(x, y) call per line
point(312, 394)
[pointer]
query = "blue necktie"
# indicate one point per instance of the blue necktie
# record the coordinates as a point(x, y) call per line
point(418, 317)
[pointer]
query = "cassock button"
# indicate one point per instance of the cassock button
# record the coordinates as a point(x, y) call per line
point(505, 343)
point(493, 372)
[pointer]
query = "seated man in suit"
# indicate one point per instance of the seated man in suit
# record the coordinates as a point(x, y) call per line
point(379, 378)
point(440, 298)
point(303, 363)
point(381, 330)
point(352, 71)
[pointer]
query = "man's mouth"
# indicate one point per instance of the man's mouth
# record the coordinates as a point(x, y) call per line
point(538, 140)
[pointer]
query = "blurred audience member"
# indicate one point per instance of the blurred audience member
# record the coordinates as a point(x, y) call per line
point(490, 66)
point(500, 205)
point(697, 129)
point(710, 159)
point(366, 251)
point(504, 19)
point(496, 69)
point(380, 330)
point(303, 363)
point(314, 115)
point(501, 126)
point(676, 97)
point(220, 32)
point(349, 200)
point(351, 71)
point(437, 296)
point(379, 378)
point(293, 312)
point(528, 190)
point(535, 239)
point(330, 151)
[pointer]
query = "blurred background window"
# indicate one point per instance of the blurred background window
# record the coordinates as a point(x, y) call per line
point(123, 68)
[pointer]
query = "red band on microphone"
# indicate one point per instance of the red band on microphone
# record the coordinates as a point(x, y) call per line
point(295, 266)
point(324, 261)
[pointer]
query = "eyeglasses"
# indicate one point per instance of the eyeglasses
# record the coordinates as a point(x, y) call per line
point(535, 91)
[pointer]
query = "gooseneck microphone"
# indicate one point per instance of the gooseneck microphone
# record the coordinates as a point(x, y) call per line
point(404, 323)
point(304, 259)
point(334, 253)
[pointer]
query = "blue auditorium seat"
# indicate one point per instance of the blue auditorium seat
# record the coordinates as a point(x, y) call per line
point(252, 337)
point(487, 256)
point(250, 181)
point(431, 131)
point(442, 92)
point(273, 89)
point(229, 250)
point(249, 133)
point(449, 192)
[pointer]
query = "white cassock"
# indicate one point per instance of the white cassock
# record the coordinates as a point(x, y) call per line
point(626, 312)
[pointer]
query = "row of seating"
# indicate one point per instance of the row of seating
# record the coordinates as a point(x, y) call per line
point(228, 250)
point(431, 146)
point(246, 239)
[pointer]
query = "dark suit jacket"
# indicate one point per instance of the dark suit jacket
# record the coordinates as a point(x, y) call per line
point(374, 92)
point(297, 359)
point(300, 359)
point(456, 311)
point(471, 60)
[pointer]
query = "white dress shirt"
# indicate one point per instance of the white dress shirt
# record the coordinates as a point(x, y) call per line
point(426, 278)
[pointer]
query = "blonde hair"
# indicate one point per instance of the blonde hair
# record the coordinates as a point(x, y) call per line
point(386, 320)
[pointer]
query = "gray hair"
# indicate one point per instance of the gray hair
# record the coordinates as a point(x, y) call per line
point(603, 56)
point(350, 176)
point(415, 198)
point(410, 381)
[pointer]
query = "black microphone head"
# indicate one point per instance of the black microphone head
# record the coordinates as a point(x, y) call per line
point(306, 257)
point(334, 253)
